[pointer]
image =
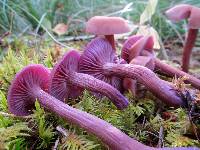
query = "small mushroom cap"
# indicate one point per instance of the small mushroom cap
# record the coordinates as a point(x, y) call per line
point(127, 45)
point(134, 46)
point(97, 53)
point(60, 86)
point(20, 95)
point(178, 12)
point(102, 25)
point(194, 20)
point(184, 11)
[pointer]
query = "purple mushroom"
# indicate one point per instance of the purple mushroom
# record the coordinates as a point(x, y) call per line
point(131, 49)
point(192, 14)
point(65, 80)
point(132, 54)
point(31, 83)
point(97, 61)
point(107, 26)
point(135, 45)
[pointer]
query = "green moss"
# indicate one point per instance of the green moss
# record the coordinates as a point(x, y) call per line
point(141, 120)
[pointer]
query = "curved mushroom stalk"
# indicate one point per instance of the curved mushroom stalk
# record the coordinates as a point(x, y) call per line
point(65, 78)
point(107, 26)
point(160, 66)
point(96, 60)
point(153, 83)
point(192, 13)
point(146, 61)
point(109, 134)
point(171, 71)
point(32, 82)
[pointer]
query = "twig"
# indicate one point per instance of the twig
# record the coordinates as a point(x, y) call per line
point(194, 127)
point(56, 144)
point(152, 134)
point(144, 121)
point(13, 116)
point(3, 36)
point(76, 38)
point(62, 130)
point(160, 141)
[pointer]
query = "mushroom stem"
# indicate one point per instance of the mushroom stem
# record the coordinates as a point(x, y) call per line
point(111, 40)
point(109, 134)
point(168, 70)
point(148, 78)
point(90, 83)
point(189, 44)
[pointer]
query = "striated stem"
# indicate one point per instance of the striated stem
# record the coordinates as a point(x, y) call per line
point(158, 87)
point(95, 85)
point(189, 44)
point(111, 40)
point(110, 135)
point(168, 70)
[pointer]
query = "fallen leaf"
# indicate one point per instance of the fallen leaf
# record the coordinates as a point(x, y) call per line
point(149, 11)
point(60, 29)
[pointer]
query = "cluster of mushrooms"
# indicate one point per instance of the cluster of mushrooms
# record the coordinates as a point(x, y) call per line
point(99, 70)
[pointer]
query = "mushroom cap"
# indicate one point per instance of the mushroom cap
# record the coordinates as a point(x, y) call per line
point(134, 46)
point(97, 53)
point(60, 86)
point(127, 45)
point(185, 11)
point(20, 95)
point(178, 12)
point(194, 20)
point(102, 25)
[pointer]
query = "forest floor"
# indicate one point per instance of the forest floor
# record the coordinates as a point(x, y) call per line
point(146, 119)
